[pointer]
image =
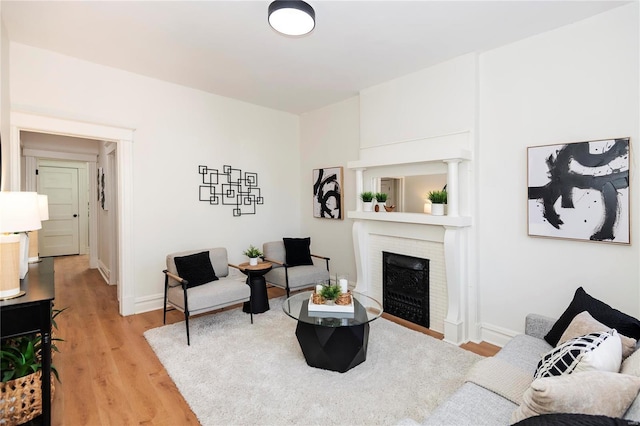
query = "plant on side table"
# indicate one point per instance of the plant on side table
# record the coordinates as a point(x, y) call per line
point(253, 253)
point(21, 366)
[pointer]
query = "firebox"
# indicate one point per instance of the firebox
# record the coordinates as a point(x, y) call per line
point(405, 287)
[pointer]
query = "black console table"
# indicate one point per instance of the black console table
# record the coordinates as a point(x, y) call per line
point(31, 313)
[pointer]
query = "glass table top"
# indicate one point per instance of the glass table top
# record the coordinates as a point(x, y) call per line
point(366, 309)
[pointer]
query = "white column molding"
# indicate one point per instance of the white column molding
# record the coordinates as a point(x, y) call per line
point(453, 192)
point(360, 244)
point(455, 246)
point(359, 187)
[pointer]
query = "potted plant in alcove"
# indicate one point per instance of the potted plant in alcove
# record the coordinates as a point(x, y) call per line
point(367, 200)
point(381, 200)
point(438, 200)
point(253, 253)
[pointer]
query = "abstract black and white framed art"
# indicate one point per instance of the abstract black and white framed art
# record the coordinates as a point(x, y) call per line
point(580, 190)
point(327, 193)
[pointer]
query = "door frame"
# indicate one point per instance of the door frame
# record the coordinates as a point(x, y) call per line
point(123, 137)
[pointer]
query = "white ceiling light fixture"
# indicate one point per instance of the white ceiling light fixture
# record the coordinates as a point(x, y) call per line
point(294, 18)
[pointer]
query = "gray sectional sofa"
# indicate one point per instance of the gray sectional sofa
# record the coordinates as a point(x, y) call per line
point(472, 404)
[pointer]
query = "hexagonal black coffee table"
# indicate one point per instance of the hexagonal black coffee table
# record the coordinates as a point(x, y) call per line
point(333, 340)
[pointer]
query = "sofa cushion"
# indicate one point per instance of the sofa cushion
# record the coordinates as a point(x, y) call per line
point(590, 392)
point(196, 269)
point(625, 324)
point(472, 405)
point(524, 352)
point(584, 323)
point(594, 351)
point(298, 251)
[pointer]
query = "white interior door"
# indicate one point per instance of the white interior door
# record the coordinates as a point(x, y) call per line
point(60, 234)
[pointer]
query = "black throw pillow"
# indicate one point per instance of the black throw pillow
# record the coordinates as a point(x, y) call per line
point(623, 323)
point(196, 269)
point(297, 251)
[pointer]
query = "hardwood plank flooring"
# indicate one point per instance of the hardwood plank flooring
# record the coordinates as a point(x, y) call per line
point(110, 375)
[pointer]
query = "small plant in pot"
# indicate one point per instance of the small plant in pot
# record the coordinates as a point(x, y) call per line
point(438, 200)
point(381, 199)
point(367, 200)
point(253, 253)
point(21, 366)
point(330, 293)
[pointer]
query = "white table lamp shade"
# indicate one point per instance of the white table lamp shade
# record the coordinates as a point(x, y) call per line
point(19, 212)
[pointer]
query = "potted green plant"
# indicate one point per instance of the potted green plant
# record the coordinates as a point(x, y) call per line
point(330, 292)
point(253, 253)
point(367, 200)
point(21, 366)
point(438, 200)
point(381, 199)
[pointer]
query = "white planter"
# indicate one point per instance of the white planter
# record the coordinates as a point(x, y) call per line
point(253, 261)
point(437, 209)
point(381, 206)
point(367, 206)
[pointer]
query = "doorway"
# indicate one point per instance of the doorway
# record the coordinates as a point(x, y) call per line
point(123, 205)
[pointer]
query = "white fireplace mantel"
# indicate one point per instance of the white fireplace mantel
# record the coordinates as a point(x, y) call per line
point(450, 230)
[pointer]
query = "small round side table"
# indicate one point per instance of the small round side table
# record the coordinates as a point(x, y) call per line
point(258, 285)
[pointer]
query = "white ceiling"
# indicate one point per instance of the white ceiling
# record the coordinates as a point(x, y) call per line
point(228, 48)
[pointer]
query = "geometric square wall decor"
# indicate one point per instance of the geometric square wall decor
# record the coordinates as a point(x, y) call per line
point(230, 187)
point(580, 190)
point(327, 193)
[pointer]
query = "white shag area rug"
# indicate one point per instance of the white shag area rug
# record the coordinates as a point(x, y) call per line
point(236, 373)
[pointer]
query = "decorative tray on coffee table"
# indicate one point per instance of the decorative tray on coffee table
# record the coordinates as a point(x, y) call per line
point(329, 308)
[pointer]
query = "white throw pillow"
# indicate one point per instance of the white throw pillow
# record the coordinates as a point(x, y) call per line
point(601, 351)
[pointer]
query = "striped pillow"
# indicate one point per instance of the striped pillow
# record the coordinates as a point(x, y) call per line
point(595, 351)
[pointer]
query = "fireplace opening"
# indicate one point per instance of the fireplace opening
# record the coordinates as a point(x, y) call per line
point(405, 287)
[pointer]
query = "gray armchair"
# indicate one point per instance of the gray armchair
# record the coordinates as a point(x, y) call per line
point(290, 275)
point(198, 281)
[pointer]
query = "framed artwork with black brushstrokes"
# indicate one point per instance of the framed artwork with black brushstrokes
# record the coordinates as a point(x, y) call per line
point(580, 190)
point(327, 193)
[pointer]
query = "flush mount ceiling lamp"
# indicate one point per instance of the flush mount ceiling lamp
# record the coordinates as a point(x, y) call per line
point(294, 18)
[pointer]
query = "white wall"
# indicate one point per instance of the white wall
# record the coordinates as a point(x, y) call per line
point(329, 138)
point(576, 83)
point(432, 102)
point(4, 102)
point(176, 130)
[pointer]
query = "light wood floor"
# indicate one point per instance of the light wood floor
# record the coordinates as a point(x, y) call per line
point(110, 375)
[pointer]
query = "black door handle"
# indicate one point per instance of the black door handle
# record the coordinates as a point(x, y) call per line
point(75, 215)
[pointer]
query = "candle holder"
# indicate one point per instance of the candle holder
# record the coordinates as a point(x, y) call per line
point(342, 281)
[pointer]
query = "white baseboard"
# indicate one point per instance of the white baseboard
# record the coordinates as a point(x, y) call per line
point(104, 271)
point(496, 335)
point(149, 303)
